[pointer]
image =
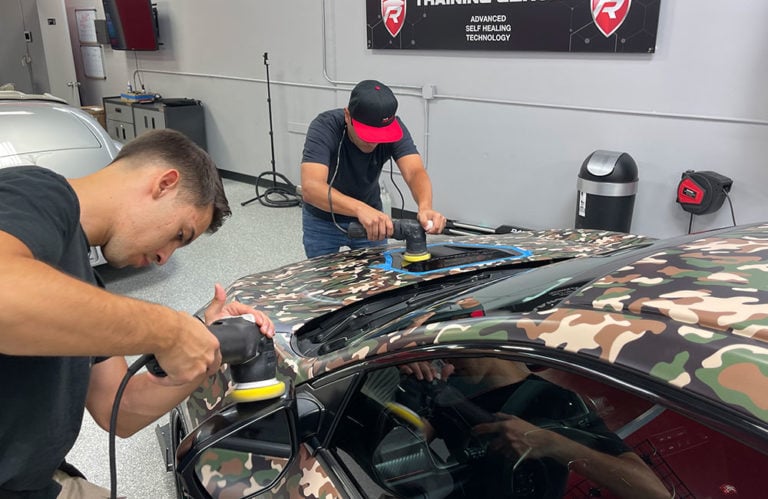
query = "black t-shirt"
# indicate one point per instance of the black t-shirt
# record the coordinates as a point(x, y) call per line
point(43, 397)
point(327, 143)
point(547, 405)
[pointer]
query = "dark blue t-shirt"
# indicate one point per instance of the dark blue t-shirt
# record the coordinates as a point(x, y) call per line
point(327, 143)
point(43, 397)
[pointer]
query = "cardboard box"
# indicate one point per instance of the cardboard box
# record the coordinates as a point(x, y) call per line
point(98, 113)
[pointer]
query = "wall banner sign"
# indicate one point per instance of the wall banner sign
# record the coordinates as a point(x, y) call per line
point(533, 25)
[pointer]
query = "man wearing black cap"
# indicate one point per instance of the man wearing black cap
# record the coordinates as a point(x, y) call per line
point(344, 153)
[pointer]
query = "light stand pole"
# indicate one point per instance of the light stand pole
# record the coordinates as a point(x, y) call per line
point(288, 195)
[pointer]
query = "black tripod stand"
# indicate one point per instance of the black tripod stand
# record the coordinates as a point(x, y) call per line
point(286, 194)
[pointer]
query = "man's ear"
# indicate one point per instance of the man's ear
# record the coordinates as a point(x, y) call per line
point(166, 182)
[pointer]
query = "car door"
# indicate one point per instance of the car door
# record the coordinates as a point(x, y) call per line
point(483, 429)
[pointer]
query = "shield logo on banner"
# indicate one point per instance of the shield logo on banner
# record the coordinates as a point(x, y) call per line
point(609, 14)
point(393, 14)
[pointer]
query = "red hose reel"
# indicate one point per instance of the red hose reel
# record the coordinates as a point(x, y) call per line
point(702, 192)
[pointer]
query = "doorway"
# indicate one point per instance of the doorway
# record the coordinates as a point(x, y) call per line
point(87, 53)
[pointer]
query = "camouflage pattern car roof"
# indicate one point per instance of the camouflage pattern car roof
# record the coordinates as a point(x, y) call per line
point(711, 300)
point(719, 283)
point(295, 293)
point(694, 316)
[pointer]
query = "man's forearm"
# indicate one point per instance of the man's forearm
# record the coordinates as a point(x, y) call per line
point(625, 475)
point(144, 402)
point(46, 312)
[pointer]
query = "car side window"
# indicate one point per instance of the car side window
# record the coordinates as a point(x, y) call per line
point(493, 427)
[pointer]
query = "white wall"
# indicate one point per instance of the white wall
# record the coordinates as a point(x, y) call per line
point(697, 103)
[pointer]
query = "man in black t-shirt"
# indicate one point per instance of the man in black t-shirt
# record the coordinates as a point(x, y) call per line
point(344, 154)
point(62, 338)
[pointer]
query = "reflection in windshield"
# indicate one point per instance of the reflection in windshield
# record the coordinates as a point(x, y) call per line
point(489, 427)
point(501, 290)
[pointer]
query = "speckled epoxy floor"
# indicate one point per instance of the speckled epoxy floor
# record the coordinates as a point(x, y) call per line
point(255, 238)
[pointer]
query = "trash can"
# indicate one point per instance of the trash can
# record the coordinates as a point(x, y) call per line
point(607, 184)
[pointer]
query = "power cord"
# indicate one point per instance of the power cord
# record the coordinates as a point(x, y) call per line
point(277, 196)
point(132, 369)
point(399, 192)
point(333, 179)
point(733, 213)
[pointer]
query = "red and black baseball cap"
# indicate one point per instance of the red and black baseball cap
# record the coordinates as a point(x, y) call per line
point(372, 107)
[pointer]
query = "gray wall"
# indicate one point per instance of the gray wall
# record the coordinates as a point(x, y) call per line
point(22, 62)
point(506, 133)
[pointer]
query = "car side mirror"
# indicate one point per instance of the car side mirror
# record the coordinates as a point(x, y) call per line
point(245, 446)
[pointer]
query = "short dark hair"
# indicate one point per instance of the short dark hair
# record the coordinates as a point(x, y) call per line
point(200, 179)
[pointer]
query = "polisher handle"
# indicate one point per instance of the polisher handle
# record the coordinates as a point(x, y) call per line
point(355, 230)
point(239, 341)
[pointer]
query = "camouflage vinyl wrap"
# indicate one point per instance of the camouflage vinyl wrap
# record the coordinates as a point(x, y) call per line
point(711, 300)
point(233, 475)
point(296, 293)
point(227, 474)
point(694, 316)
point(293, 294)
point(304, 479)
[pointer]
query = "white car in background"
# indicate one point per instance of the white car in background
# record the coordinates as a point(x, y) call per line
point(43, 130)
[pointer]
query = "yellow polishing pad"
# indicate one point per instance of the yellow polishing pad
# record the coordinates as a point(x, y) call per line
point(406, 414)
point(257, 393)
point(422, 257)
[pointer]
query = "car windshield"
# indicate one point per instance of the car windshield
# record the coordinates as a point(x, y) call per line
point(486, 292)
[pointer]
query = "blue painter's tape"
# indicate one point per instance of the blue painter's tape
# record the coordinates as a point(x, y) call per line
point(515, 254)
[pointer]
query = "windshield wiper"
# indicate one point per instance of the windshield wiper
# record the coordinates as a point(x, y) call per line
point(368, 317)
point(330, 327)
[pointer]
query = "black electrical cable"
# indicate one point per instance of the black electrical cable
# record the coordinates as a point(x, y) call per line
point(333, 179)
point(133, 369)
point(287, 195)
point(392, 178)
point(733, 213)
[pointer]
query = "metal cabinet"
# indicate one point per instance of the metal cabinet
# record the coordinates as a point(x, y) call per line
point(148, 119)
point(184, 115)
point(119, 117)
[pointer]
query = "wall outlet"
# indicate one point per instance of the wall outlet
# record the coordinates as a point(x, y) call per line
point(300, 128)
